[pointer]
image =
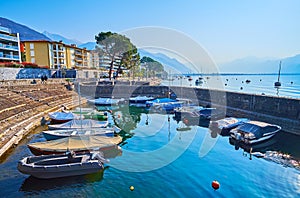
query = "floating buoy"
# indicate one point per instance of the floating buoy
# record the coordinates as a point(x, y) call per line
point(215, 184)
point(241, 88)
point(185, 121)
point(119, 116)
point(131, 188)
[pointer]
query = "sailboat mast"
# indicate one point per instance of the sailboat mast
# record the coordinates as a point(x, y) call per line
point(279, 71)
point(79, 100)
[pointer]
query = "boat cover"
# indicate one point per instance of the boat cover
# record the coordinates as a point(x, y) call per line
point(76, 143)
point(61, 115)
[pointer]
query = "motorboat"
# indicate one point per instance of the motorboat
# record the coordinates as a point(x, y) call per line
point(197, 112)
point(159, 101)
point(186, 111)
point(253, 132)
point(105, 101)
point(61, 117)
point(78, 144)
point(223, 126)
point(61, 165)
point(79, 124)
point(166, 104)
point(57, 134)
point(140, 101)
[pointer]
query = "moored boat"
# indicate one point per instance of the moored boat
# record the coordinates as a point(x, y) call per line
point(105, 101)
point(61, 117)
point(223, 126)
point(62, 165)
point(57, 134)
point(253, 132)
point(78, 144)
point(140, 100)
point(79, 124)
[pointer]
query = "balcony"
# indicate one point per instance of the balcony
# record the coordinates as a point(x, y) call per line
point(9, 47)
point(8, 38)
point(9, 57)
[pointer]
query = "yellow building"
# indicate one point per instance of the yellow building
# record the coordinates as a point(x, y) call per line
point(56, 54)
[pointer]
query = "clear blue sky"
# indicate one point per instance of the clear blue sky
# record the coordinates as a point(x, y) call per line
point(228, 29)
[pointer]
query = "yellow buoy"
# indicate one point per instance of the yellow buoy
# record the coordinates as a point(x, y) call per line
point(131, 188)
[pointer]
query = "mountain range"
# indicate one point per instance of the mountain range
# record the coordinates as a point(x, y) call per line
point(242, 65)
point(26, 33)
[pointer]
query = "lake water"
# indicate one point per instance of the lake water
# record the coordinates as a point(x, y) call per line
point(259, 84)
point(160, 161)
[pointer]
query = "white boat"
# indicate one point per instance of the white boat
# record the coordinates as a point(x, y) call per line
point(57, 134)
point(223, 126)
point(105, 101)
point(79, 124)
point(61, 165)
point(253, 132)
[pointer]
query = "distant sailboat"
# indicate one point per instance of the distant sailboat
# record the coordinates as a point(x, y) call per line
point(278, 83)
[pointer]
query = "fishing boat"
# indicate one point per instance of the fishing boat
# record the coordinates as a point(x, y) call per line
point(223, 126)
point(79, 124)
point(57, 134)
point(78, 144)
point(140, 101)
point(253, 132)
point(105, 101)
point(61, 165)
point(61, 117)
point(278, 83)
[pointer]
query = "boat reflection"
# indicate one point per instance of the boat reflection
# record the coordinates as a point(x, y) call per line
point(32, 184)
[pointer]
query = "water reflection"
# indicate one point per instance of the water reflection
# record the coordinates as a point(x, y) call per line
point(32, 184)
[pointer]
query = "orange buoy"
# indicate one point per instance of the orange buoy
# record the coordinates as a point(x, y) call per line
point(215, 184)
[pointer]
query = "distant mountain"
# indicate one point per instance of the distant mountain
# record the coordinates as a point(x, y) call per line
point(26, 33)
point(253, 65)
point(88, 45)
point(57, 37)
point(165, 60)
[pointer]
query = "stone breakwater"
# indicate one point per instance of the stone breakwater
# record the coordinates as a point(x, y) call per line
point(23, 105)
point(276, 110)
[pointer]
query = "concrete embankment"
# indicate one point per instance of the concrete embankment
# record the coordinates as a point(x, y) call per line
point(277, 110)
point(23, 105)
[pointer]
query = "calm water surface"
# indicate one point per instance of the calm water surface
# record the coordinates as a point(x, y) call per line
point(160, 161)
point(259, 84)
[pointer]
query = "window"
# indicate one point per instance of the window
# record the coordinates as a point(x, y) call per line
point(31, 53)
point(31, 45)
point(33, 60)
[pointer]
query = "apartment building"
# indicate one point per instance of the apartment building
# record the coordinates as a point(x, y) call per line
point(56, 55)
point(9, 46)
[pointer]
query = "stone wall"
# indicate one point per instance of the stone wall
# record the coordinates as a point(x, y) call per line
point(277, 110)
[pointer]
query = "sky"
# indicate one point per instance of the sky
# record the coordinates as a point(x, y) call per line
point(227, 30)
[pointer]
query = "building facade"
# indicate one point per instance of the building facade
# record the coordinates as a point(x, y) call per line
point(9, 46)
point(56, 55)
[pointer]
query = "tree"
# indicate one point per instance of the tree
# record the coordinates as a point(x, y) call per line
point(118, 50)
point(152, 66)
